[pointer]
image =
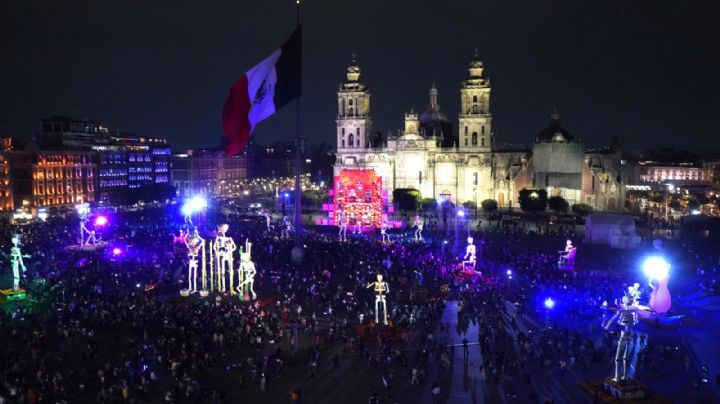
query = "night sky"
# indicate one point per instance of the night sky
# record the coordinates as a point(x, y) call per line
point(648, 71)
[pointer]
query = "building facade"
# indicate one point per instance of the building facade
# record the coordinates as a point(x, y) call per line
point(124, 161)
point(208, 172)
point(465, 166)
point(63, 178)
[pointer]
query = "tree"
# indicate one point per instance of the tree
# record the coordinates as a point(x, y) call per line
point(428, 204)
point(489, 205)
point(470, 206)
point(532, 200)
point(558, 204)
point(406, 198)
point(582, 209)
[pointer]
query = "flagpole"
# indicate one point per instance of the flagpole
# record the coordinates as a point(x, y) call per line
point(297, 251)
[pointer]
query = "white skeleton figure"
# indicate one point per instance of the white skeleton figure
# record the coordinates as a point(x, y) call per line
point(419, 228)
point(470, 257)
point(87, 236)
point(381, 289)
point(268, 219)
point(626, 317)
point(342, 234)
point(247, 272)
point(16, 262)
point(224, 249)
point(359, 221)
point(195, 245)
point(356, 223)
point(383, 231)
point(568, 246)
point(287, 228)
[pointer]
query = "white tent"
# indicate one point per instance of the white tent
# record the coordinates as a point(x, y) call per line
point(615, 230)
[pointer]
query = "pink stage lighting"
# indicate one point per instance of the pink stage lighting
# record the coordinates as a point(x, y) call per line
point(117, 251)
point(101, 221)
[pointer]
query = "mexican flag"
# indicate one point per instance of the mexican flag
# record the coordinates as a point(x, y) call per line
point(264, 89)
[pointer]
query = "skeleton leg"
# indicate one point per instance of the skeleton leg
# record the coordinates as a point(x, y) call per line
point(384, 311)
point(618, 355)
point(16, 277)
point(377, 307)
point(232, 280)
point(627, 356)
point(252, 289)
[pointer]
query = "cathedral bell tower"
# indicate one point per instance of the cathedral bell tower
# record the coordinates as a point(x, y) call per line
point(475, 119)
point(354, 125)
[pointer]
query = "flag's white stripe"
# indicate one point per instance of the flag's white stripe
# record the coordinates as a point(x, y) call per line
point(264, 71)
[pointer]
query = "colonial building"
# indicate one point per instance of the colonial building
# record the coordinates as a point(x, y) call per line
point(465, 166)
point(63, 178)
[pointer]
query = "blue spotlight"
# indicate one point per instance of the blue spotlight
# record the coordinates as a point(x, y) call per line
point(656, 268)
point(549, 303)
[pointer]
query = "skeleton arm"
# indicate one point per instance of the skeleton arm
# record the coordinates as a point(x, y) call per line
point(612, 319)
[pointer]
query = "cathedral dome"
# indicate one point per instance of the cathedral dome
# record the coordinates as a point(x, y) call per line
point(434, 123)
point(554, 133)
point(432, 117)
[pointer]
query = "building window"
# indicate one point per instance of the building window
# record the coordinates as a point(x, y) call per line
point(351, 140)
point(475, 109)
point(474, 99)
point(474, 138)
point(482, 130)
point(466, 131)
point(466, 141)
point(482, 141)
point(343, 131)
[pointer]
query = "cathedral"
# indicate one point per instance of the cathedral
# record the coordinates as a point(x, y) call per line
point(464, 165)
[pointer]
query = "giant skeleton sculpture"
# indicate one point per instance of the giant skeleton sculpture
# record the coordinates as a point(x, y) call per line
point(343, 224)
point(629, 343)
point(470, 258)
point(287, 228)
point(224, 248)
point(418, 228)
point(268, 220)
point(196, 247)
point(16, 262)
point(246, 273)
point(383, 231)
point(381, 289)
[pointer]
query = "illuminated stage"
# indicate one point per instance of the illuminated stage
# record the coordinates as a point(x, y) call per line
point(359, 194)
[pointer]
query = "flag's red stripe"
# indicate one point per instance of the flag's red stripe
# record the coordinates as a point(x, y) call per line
point(235, 117)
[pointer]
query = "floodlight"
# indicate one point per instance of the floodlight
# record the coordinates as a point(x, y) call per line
point(461, 213)
point(656, 268)
point(198, 203)
point(117, 251)
point(101, 221)
point(549, 303)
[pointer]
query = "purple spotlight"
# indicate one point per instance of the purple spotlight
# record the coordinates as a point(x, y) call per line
point(101, 221)
point(117, 251)
point(461, 213)
point(509, 272)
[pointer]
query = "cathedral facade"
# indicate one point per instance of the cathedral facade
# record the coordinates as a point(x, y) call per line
point(429, 156)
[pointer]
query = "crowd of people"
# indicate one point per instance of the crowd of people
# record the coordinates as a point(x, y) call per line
point(112, 328)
